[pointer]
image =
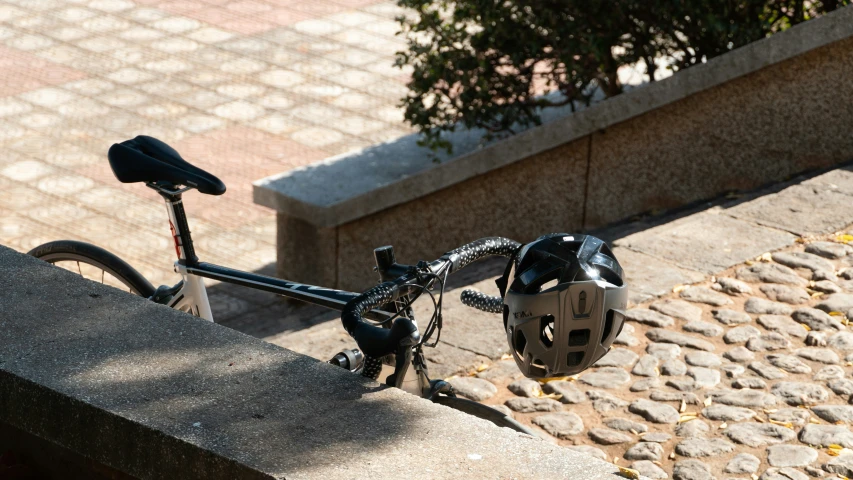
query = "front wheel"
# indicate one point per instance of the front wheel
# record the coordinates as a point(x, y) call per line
point(484, 412)
point(94, 263)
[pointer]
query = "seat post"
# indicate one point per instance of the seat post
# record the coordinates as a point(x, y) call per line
point(180, 228)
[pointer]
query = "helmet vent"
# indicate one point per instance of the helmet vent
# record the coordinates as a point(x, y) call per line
point(579, 338)
point(520, 343)
point(546, 330)
point(549, 284)
point(608, 326)
point(573, 359)
point(506, 315)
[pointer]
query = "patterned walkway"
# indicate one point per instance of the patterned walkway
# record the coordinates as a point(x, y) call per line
point(242, 88)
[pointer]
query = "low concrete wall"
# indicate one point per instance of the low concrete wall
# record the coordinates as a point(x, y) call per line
point(757, 115)
point(130, 388)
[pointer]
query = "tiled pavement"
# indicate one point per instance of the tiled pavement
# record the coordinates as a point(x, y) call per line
point(242, 88)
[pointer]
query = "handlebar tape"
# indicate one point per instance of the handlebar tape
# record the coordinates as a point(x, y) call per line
point(375, 341)
point(481, 301)
point(484, 247)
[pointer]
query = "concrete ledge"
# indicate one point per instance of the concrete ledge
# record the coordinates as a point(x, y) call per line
point(350, 186)
point(153, 393)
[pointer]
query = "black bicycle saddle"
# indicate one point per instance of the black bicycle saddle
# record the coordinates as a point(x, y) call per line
point(146, 159)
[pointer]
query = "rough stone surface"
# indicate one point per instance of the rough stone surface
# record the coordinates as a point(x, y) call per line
point(605, 436)
point(837, 302)
point(835, 413)
point(727, 413)
point(677, 309)
point(705, 295)
point(648, 469)
point(626, 336)
point(816, 339)
point(702, 359)
point(529, 405)
point(782, 324)
point(647, 366)
point(739, 354)
point(692, 429)
point(732, 370)
point(741, 334)
point(768, 342)
point(732, 286)
point(790, 455)
point(680, 339)
point(525, 387)
point(649, 317)
point(831, 250)
point(691, 470)
point(645, 384)
point(703, 328)
point(841, 386)
point(770, 273)
point(617, 357)
point(645, 451)
point(662, 396)
point(842, 464)
point(759, 434)
point(607, 377)
point(749, 382)
point(805, 260)
point(743, 463)
point(826, 286)
point(653, 411)
point(785, 473)
point(767, 371)
point(841, 341)
point(673, 367)
point(474, 388)
point(568, 391)
point(605, 402)
point(589, 450)
point(704, 377)
point(560, 424)
point(657, 437)
point(785, 293)
point(743, 398)
point(663, 351)
point(825, 435)
point(822, 355)
point(703, 447)
point(763, 306)
point(817, 320)
point(794, 416)
point(798, 393)
point(731, 317)
point(788, 363)
point(625, 425)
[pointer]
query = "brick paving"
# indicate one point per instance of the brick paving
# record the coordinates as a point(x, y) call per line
point(242, 88)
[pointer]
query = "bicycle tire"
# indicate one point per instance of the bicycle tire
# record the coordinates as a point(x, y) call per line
point(484, 412)
point(72, 250)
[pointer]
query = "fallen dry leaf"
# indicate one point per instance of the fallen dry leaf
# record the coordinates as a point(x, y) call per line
point(629, 473)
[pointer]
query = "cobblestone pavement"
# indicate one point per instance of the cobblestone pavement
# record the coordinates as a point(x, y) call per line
point(242, 88)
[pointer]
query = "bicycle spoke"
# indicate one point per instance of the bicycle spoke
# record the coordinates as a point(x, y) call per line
point(102, 276)
point(79, 269)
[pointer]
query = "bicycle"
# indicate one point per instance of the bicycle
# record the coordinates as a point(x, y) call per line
point(392, 338)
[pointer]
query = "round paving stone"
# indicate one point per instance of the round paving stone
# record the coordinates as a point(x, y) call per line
point(606, 436)
point(822, 355)
point(727, 413)
point(835, 413)
point(644, 451)
point(561, 424)
point(605, 402)
point(816, 339)
point(842, 465)
point(704, 377)
point(680, 339)
point(691, 470)
point(663, 351)
point(798, 393)
point(692, 429)
point(528, 405)
point(648, 469)
point(607, 377)
point(760, 305)
point(647, 366)
point(841, 341)
point(841, 386)
point(743, 398)
point(759, 434)
point(743, 463)
point(645, 384)
point(731, 286)
point(703, 447)
point(732, 370)
point(626, 336)
point(703, 359)
point(739, 354)
point(657, 437)
point(828, 249)
point(703, 328)
point(785, 473)
point(829, 372)
point(767, 371)
point(826, 286)
point(768, 342)
point(649, 317)
point(589, 450)
point(476, 389)
point(705, 295)
point(741, 334)
point(825, 435)
point(731, 317)
point(683, 384)
point(789, 363)
point(790, 455)
point(749, 382)
point(673, 367)
point(654, 411)
point(803, 260)
point(617, 357)
point(770, 273)
point(795, 416)
point(782, 324)
point(525, 387)
point(661, 396)
point(625, 425)
point(677, 309)
point(816, 320)
point(568, 391)
point(785, 293)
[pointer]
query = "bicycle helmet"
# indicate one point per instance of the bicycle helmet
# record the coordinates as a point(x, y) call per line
point(564, 296)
